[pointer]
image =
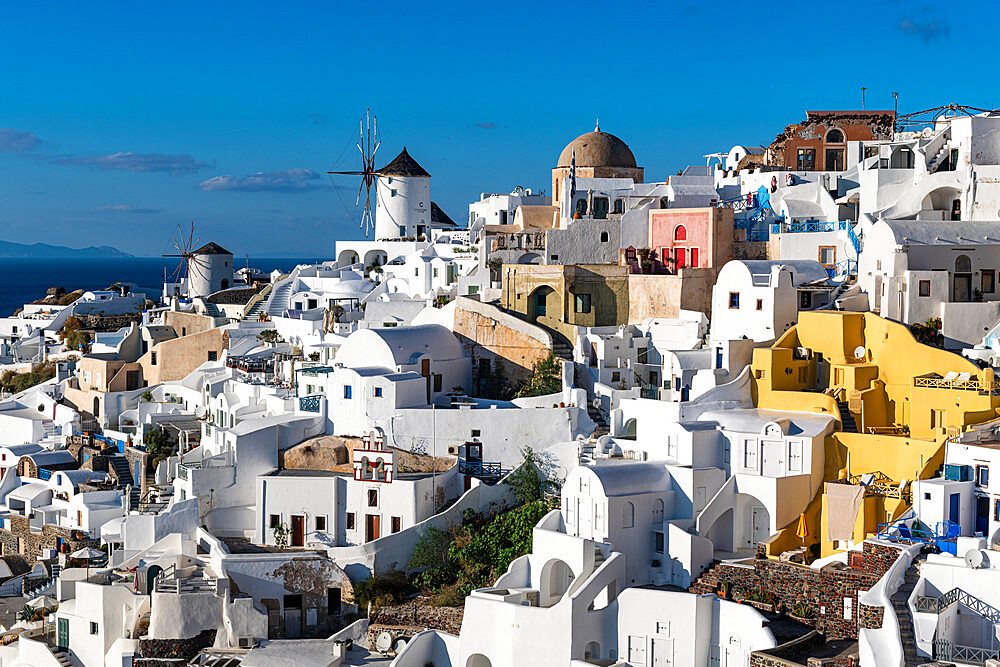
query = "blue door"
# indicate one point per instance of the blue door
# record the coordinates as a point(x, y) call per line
point(982, 515)
point(953, 506)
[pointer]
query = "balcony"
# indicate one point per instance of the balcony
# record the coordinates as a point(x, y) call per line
point(959, 381)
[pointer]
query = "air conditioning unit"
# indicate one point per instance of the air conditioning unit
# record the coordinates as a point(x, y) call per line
point(452, 450)
point(245, 642)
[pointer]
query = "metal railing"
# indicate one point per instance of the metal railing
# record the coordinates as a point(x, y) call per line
point(944, 537)
point(739, 204)
point(482, 469)
point(44, 474)
point(969, 655)
point(310, 403)
point(958, 596)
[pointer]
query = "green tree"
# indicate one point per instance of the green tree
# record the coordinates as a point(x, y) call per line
point(526, 482)
point(269, 336)
point(546, 378)
point(158, 445)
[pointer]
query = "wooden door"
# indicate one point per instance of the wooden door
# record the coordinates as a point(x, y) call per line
point(372, 527)
point(62, 634)
point(298, 530)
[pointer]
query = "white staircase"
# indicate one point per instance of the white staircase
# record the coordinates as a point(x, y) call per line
point(277, 303)
point(938, 157)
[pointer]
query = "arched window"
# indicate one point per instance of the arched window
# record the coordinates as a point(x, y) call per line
point(963, 264)
point(604, 237)
point(680, 233)
point(628, 515)
point(657, 511)
point(619, 206)
point(834, 137)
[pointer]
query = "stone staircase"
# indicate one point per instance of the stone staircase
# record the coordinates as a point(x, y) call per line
point(850, 425)
point(124, 472)
point(899, 605)
point(708, 582)
point(42, 586)
point(562, 350)
point(212, 310)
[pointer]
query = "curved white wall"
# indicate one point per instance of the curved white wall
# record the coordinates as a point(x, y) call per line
point(403, 204)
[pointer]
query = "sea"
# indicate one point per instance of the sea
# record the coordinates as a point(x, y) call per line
point(25, 280)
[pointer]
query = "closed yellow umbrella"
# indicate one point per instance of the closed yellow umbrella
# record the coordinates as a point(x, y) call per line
point(802, 530)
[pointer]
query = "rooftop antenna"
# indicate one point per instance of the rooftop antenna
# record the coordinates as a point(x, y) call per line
point(368, 144)
point(185, 251)
point(895, 103)
point(863, 89)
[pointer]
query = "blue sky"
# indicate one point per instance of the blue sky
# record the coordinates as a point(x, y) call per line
point(121, 120)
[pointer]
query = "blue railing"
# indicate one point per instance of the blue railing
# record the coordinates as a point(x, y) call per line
point(482, 469)
point(855, 241)
point(119, 444)
point(739, 204)
point(44, 473)
point(945, 537)
point(309, 403)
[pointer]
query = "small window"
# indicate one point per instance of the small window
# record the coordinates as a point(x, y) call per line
point(397, 524)
point(658, 542)
point(827, 255)
point(834, 137)
point(680, 233)
point(604, 237)
point(760, 304)
point(476, 433)
point(583, 303)
point(321, 523)
point(275, 521)
point(435, 272)
point(989, 281)
point(924, 288)
point(805, 300)
point(213, 355)
point(437, 381)
point(372, 498)
point(350, 521)
point(628, 515)
point(347, 391)
point(927, 496)
point(378, 392)
point(619, 206)
point(734, 299)
point(554, 258)
point(93, 628)
point(982, 476)
point(642, 355)
point(805, 159)
point(152, 358)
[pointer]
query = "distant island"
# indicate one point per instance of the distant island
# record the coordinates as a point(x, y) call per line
point(47, 251)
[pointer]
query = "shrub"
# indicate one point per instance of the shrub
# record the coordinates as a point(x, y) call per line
point(269, 336)
point(546, 378)
point(382, 590)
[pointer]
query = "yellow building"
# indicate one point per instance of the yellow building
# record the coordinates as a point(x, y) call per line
point(897, 402)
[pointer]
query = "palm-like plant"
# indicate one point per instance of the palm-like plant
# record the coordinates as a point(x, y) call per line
point(27, 614)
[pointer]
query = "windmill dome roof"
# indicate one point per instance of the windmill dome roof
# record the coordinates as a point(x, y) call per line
point(597, 149)
point(211, 248)
point(403, 165)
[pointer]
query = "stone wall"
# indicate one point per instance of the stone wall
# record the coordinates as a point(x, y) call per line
point(108, 322)
point(19, 538)
point(503, 348)
point(825, 591)
point(750, 250)
point(446, 619)
point(157, 652)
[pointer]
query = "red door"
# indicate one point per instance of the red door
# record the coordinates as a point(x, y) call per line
point(680, 258)
point(298, 530)
point(372, 525)
point(694, 257)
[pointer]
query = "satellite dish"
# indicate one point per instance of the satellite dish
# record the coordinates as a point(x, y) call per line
point(974, 558)
point(400, 644)
point(383, 642)
point(859, 352)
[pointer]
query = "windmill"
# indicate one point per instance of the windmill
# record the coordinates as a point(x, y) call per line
point(367, 145)
point(185, 248)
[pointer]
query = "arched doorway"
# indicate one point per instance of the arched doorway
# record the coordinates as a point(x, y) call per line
point(97, 407)
point(152, 573)
point(592, 651)
point(346, 258)
point(529, 258)
point(478, 660)
point(554, 582)
point(962, 284)
point(538, 302)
